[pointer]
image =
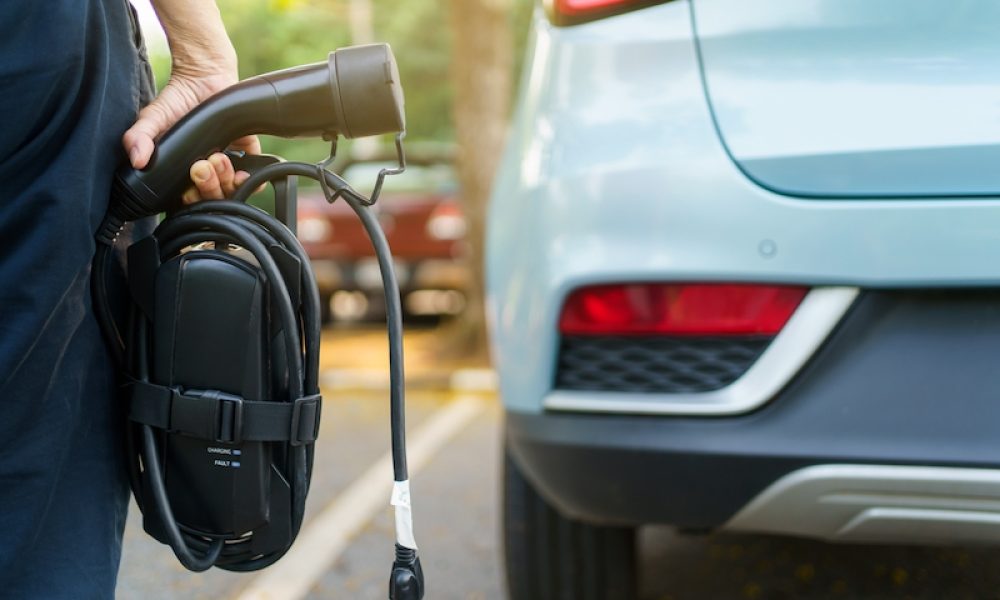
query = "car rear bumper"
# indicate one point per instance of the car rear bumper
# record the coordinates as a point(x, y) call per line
point(908, 379)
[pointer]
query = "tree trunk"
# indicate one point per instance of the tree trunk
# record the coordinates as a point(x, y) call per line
point(359, 20)
point(482, 72)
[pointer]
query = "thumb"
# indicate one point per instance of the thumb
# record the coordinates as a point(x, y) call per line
point(139, 139)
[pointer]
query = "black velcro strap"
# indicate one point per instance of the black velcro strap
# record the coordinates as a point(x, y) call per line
point(303, 426)
point(220, 417)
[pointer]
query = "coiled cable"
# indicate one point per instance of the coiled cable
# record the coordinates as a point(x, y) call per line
point(236, 223)
point(222, 222)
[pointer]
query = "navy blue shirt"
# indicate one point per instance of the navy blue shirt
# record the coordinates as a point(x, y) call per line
point(70, 84)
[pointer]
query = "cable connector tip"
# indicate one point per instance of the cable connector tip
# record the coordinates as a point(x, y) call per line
point(406, 582)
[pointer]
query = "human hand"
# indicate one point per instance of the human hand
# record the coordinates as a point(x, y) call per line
point(203, 62)
point(213, 177)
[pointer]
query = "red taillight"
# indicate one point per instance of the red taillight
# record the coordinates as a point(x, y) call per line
point(571, 12)
point(707, 309)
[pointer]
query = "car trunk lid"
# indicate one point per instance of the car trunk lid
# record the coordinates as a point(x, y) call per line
point(854, 98)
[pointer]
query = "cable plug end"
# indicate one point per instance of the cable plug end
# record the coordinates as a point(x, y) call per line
point(407, 579)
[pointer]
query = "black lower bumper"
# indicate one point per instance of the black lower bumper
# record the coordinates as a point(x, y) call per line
point(909, 377)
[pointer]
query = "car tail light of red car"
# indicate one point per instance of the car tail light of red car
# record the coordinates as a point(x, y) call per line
point(572, 12)
point(313, 229)
point(446, 223)
point(700, 309)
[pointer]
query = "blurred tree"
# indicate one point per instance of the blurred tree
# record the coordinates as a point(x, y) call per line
point(457, 61)
point(482, 71)
point(359, 18)
point(275, 34)
point(420, 40)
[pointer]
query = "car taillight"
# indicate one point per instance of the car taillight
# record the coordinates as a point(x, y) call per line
point(314, 229)
point(704, 309)
point(446, 223)
point(571, 12)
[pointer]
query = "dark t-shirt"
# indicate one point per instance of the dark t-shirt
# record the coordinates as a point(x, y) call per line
point(69, 87)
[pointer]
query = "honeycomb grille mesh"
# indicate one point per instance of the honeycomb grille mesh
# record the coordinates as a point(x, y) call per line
point(654, 365)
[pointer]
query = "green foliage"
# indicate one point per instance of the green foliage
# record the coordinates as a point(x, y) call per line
point(270, 35)
point(274, 34)
point(419, 35)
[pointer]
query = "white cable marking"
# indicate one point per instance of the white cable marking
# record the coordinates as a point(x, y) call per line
point(404, 517)
point(324, 538)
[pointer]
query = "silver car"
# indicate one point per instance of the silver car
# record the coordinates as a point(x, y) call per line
point(742, 265)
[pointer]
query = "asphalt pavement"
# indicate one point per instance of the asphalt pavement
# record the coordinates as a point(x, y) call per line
point(454, 424)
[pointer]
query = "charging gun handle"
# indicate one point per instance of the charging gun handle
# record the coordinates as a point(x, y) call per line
point(355, 93)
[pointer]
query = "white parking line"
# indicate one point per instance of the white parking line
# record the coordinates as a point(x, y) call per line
point(474, 380)
point(325, 538)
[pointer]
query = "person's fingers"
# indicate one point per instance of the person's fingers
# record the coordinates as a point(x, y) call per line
point(249, 144)
point(224, 171)
point(242, 176)
point(206, 180)
point(190, 196)
point(181, 94)
point(214, 178)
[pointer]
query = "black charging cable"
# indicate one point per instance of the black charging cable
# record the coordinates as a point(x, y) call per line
point(255, 231)
point(266, 408)
point(234, 222)
point(406, 580)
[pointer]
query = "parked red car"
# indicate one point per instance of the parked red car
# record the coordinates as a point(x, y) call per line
point(423, 221)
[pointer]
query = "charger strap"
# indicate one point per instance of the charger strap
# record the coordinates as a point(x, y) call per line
point(224, 418)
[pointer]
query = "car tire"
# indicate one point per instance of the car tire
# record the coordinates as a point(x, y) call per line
point(551, 557)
